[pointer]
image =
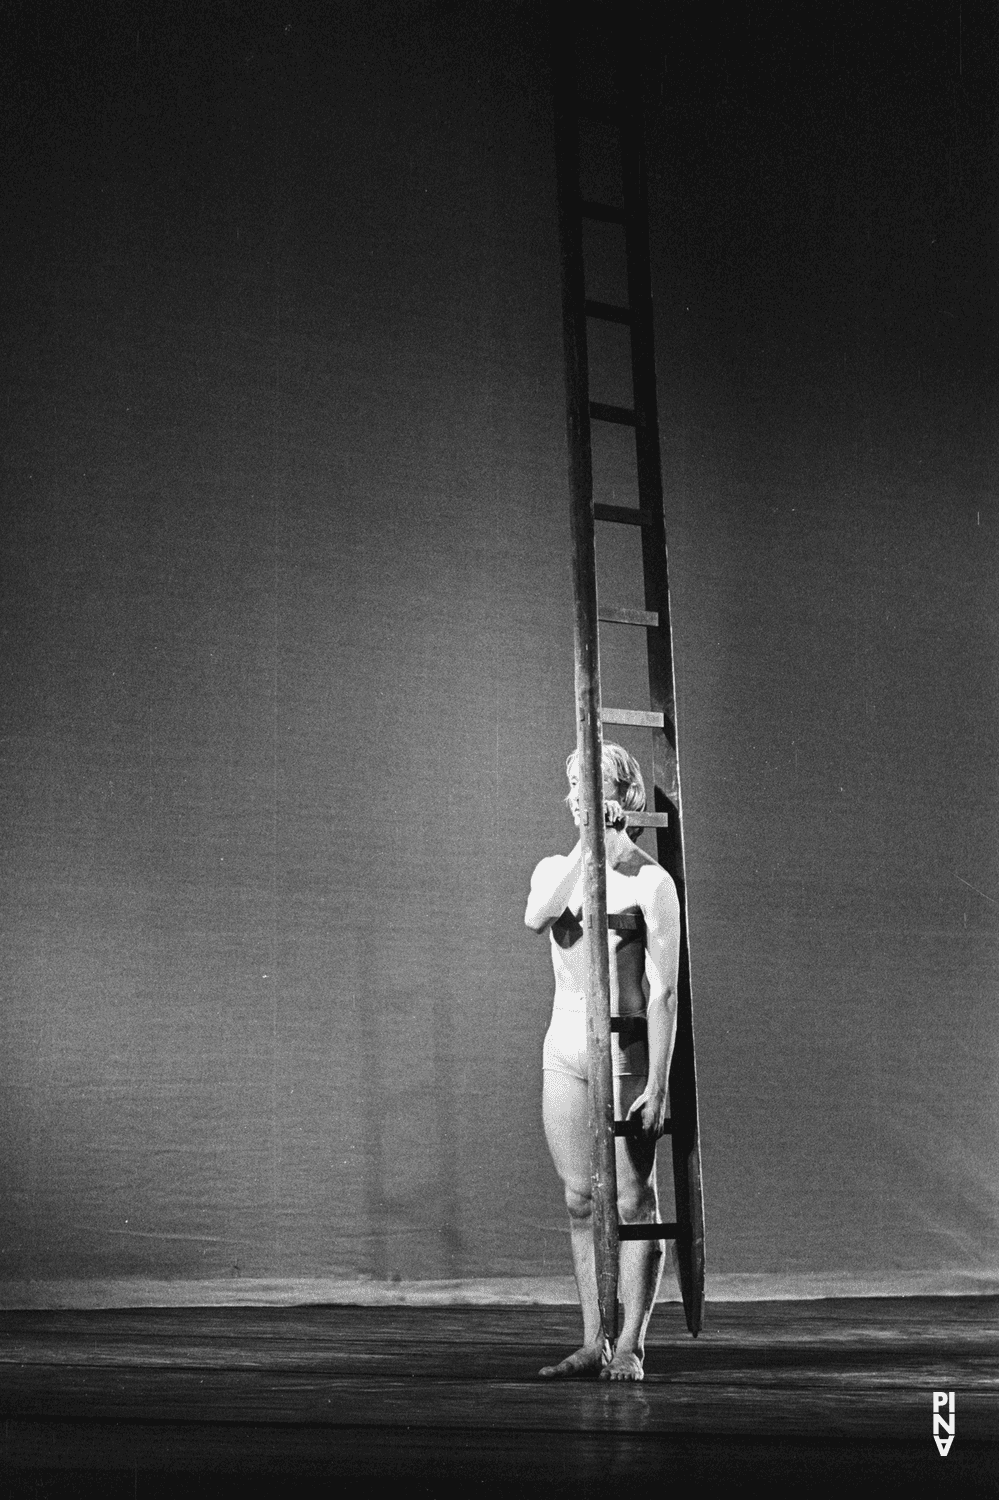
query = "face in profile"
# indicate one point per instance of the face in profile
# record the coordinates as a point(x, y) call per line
point(611, 792)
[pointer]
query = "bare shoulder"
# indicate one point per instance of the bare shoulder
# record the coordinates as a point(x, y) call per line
point(637, 864)
point(551, 865)
point(652, 884)
point(657, 891)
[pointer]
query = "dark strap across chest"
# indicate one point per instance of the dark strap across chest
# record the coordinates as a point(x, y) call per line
point(630, 926)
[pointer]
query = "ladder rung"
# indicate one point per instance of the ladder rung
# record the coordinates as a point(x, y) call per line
point(625, 921)
point(625, 1129)
point(628, 515)
point(646, 1231)
point(608, 311)
point(616, 614)
point(648, 820)
point(601, 211)
point(622, 415)
point(643, 716)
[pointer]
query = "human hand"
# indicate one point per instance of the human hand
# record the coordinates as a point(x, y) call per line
point(614, 815)
point(648, 1113)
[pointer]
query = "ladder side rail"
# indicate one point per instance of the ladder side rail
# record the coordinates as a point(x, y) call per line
point(587, 687)
point(683, 1082)
point(647, 446)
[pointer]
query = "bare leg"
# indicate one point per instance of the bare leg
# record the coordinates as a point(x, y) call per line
point(566, 1116)
point(641, 1260)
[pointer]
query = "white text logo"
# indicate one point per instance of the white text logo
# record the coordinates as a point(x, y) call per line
point(943, 1420)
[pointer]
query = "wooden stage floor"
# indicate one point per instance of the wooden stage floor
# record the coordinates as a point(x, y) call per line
point(334, 1400)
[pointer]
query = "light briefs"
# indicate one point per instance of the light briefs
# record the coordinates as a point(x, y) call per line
point(565, 1046)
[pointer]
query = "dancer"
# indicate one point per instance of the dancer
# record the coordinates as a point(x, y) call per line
point(643, 918)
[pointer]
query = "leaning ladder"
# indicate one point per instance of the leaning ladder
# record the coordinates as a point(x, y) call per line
point(632, 216)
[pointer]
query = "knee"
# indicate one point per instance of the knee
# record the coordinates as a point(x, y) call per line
point(578, 1200)
point(636, 1203)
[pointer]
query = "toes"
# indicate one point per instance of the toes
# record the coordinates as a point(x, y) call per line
point(630, 1370)
point(583, 1365)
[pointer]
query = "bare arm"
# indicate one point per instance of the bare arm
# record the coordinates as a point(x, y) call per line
point(555, 878)
point(662, 961)
point(552, 883)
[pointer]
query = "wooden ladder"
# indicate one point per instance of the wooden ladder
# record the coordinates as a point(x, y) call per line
point(622, 114)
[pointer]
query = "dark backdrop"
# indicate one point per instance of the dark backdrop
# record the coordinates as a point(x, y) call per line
point(287, 633)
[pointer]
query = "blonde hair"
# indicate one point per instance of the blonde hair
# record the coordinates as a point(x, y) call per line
point(626, 774)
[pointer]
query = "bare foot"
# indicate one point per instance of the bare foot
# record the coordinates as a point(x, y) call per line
point(625, 1365)
point(585, 1363)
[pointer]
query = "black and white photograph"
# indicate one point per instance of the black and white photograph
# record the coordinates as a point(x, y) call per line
point(499, 793)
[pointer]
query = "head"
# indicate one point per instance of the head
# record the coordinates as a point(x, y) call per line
point(622, 781)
